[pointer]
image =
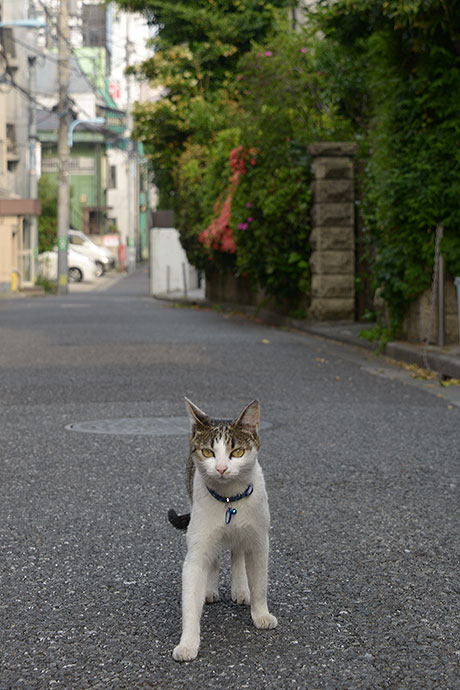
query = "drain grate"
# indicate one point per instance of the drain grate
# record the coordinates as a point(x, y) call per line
point(140, 426)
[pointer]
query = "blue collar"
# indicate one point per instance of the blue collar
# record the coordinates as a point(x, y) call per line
point(230, 499)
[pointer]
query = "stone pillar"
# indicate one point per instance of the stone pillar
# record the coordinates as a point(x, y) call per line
point(332, 239)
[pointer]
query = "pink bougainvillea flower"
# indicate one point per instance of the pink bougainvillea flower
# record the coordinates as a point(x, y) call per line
point(268, 53)
point(303, 50)
point(242, 226)
point(249, 205)
point(253, 161)
point(250, 219)
point(237, 160)
point(227, 243)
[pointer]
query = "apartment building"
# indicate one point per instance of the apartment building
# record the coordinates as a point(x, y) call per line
point(18, 168)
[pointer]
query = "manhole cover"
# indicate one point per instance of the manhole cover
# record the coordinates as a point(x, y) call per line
point(140, 426)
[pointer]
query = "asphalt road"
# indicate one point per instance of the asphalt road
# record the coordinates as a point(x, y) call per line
point(361, 467)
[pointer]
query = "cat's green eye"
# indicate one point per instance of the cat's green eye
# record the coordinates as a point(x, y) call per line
point(237, 453)
point(207, 452)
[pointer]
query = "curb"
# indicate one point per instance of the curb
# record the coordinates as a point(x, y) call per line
point(445, 365)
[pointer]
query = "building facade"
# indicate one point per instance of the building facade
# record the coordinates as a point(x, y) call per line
point(109, 183)
point(18, 172)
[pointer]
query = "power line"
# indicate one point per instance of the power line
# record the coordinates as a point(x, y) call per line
point(47, 56)
point(116, 142)
point(79, 71)
point(65, 39)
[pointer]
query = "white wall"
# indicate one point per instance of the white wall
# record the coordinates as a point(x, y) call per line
point(116, 198)
point(167, 259)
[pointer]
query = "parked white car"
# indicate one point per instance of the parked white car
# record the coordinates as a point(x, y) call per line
point(83, 244)
point(79, 266)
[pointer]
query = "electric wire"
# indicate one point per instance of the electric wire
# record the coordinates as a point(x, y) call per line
point(117, 141)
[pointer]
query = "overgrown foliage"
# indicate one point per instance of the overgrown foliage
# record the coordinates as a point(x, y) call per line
point(236, 78)
point(412, 134)
point(252, 181)
point(283, 107)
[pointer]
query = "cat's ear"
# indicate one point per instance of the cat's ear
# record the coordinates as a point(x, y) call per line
point(196, 415)
point(250, 417)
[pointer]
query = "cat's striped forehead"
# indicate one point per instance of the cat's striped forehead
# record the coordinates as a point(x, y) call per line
point(232, 434)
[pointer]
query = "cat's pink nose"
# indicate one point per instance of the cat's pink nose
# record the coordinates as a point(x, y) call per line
point(221, 470)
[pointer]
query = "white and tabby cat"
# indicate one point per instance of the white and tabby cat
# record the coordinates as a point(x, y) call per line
point(229, 508)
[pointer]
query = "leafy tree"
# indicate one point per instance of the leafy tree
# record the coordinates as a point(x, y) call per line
point(47, 221)
point(217, 32)
point(197, 48)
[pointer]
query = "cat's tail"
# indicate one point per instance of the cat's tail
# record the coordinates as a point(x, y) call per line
point(179, 521)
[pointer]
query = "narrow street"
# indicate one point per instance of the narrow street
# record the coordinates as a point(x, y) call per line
point(362, 473)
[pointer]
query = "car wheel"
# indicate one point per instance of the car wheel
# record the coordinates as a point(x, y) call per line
point(99, 269)
point(74, 275)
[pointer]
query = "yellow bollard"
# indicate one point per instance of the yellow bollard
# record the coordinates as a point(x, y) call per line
point(14, 281)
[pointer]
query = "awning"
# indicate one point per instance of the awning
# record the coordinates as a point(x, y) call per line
point(20, 207)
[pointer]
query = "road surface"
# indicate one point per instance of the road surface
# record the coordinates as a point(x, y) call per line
point(361, 466)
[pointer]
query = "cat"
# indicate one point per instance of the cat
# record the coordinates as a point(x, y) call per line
point(229, 508)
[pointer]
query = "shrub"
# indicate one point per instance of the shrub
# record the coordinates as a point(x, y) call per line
point(202, 182)
point(284, 107)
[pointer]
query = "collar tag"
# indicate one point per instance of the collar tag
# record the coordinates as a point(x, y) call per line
point(229, 499)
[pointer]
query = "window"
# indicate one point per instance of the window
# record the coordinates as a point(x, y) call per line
point(7, 41)
point(113, 177)
point(94, 25)
point(74, 239)
point(11, 144)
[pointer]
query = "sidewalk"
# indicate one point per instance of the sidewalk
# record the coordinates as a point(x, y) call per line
point(444, 361)
point(105, 282)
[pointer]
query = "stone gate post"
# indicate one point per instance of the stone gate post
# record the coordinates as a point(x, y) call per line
point(332, 239)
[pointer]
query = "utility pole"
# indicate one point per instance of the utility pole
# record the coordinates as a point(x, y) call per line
point(33, 176)
point(63, 195)
point(130, 173)
point(441, 295)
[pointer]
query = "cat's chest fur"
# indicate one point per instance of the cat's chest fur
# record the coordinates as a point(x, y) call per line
point(209, 516)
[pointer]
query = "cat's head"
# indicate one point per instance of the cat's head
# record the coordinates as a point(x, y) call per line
point(224, 450)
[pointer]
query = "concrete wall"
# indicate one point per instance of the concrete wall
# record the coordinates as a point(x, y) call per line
point(167, 262)
point(225, 287)
point(416, 326)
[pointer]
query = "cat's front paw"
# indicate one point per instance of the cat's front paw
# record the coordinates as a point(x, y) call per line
point(265, 621)
point(212, 597)
point(185, 652)
point(241, 596)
